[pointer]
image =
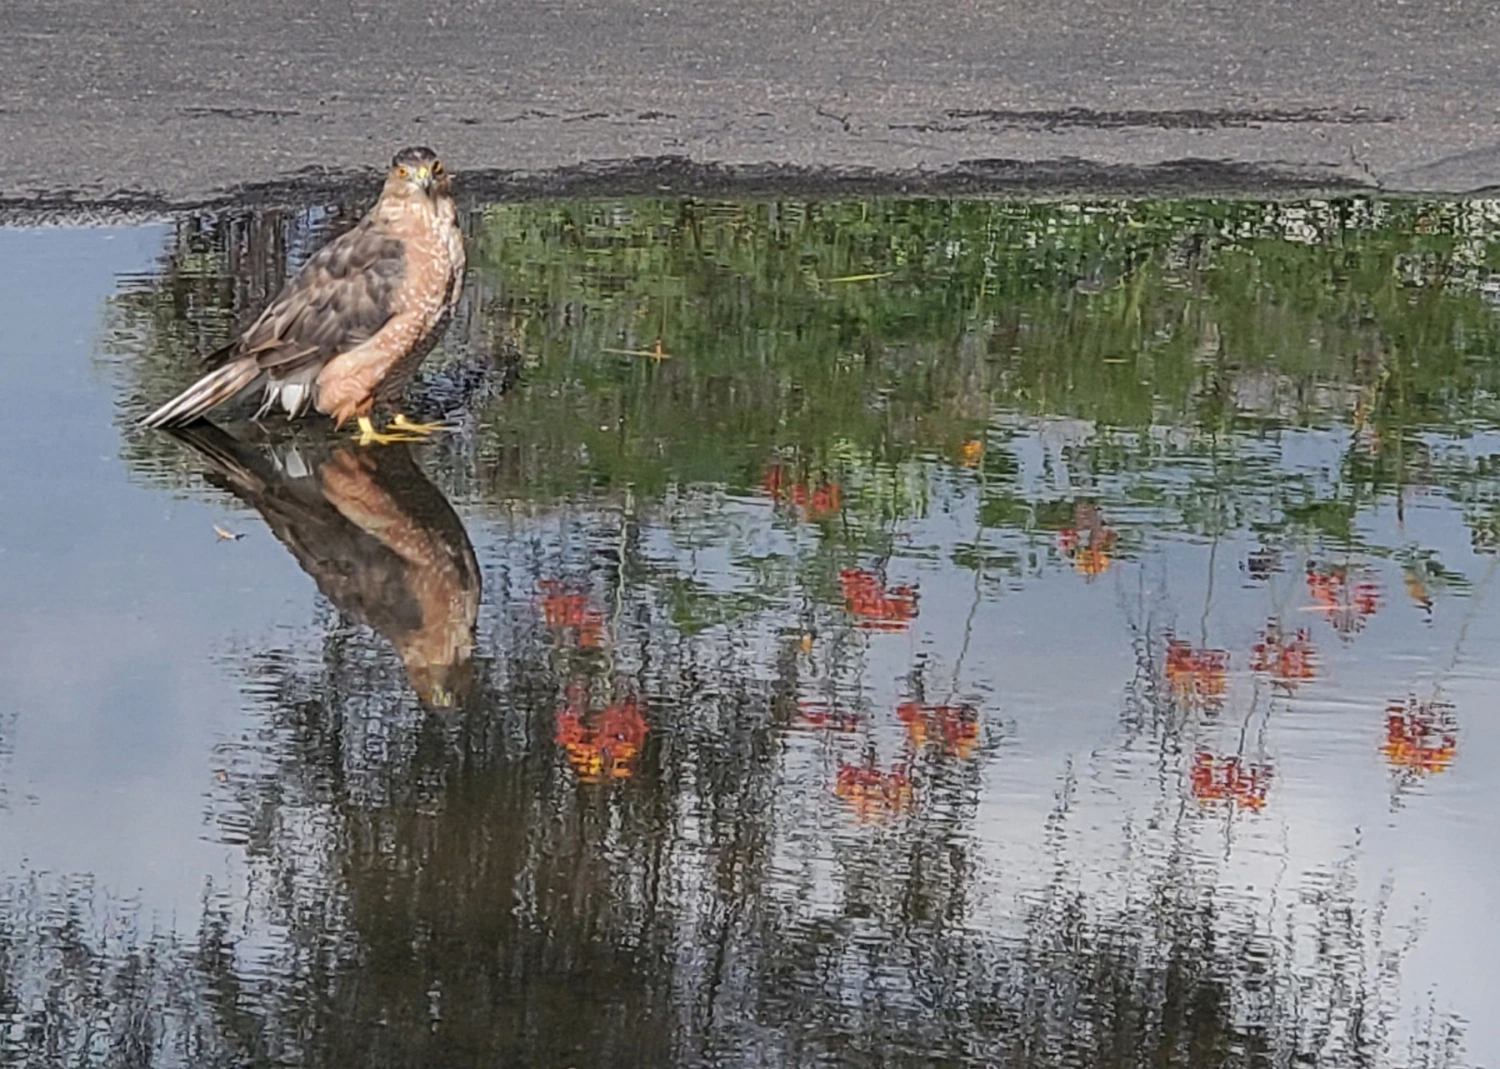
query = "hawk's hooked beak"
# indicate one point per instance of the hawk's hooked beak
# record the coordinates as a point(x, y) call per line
point(425, 178)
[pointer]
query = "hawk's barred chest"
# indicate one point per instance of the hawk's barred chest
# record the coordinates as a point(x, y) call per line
point(434, 249)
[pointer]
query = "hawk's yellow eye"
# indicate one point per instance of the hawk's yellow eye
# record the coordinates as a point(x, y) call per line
point(437, 168)
point(402, 172)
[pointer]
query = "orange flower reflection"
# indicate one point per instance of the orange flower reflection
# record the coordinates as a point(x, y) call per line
point(875, 607)
point(1416, 588)
point(1089, 543)
point(873, 794)
point(971, 453)
point(1288, 659)
point(1347, 605)
point(1197, 676)
point(956, 726)
point(1228, 779)
point(601, 746)
point(567, 611)
point(1421, 738)
point(813, 501)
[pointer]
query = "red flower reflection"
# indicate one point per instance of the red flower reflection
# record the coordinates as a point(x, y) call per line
point(812, 501)
point(1228, 779)
point(1288, 659)
point(1421, 738)
point(1347, 604)
point(875, 607)
point(954, 727)
point(822, 716)
point(567, 611)
point(1089, 543)
point(1197, 677)
point(600, 746)
point(873, 794)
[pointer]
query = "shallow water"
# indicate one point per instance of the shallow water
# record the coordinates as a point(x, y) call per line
point(1026, 634)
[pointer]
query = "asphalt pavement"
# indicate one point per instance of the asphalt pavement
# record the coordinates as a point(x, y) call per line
point(159, 102)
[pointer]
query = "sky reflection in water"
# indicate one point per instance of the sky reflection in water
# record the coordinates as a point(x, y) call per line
point(1039, 634)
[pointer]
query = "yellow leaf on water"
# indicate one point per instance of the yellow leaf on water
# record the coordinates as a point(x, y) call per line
point(655, 354)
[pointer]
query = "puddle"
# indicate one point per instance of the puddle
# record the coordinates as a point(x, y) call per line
point(863, 633)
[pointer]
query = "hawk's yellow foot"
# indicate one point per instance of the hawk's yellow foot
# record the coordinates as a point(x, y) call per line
point(401, 424)
point(368, 435)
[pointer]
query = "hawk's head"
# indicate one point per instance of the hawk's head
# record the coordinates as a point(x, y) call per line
point(416, 172)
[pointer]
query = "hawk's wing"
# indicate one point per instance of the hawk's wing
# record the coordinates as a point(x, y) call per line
point(341, 297)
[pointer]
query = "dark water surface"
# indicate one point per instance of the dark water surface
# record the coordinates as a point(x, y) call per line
point(995, 634)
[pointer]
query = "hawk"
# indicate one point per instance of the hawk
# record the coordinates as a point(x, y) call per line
point(378, 538)
point(351, 327)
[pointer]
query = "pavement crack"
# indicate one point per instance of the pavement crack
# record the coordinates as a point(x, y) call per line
point(1365, 169)
point(842, 120)
point(525, 116)
point(243, 114)
point(959, 120)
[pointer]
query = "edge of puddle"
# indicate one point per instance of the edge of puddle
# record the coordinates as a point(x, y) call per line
point(681, 176)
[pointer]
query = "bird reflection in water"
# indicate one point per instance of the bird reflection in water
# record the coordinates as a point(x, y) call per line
point(380, 541)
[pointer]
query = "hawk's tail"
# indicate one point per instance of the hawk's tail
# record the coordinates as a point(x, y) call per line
point(208, 392)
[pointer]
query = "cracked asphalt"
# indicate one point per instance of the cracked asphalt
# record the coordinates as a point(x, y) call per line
point(158, 102)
